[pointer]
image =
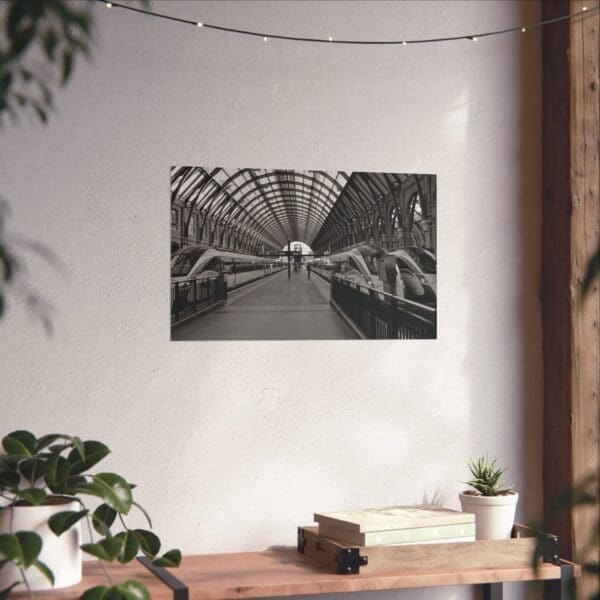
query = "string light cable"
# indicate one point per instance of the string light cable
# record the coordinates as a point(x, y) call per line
point(331, 40)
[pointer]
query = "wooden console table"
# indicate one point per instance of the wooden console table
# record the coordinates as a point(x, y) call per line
point(285, 572)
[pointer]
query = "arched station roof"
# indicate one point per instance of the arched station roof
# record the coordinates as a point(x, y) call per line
point(364, 194)
point(278, 205)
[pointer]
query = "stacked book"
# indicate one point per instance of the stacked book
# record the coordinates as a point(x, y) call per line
point(418, 524)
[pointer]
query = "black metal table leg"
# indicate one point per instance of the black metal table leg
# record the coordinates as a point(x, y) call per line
point(180, 590)
point(563, 588)
point(492, 591)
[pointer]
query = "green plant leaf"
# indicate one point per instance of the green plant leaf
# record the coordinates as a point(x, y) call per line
point(31, 545)
point(5, 593)
point(149, 542)
point(134, 590)
point(93, 453)
point(128, 590)
point(34, 496)
point(22, 547)
point(95, 593)
point(9, 480)
point(81, 486)
point(115, 491)
point(63, 521)
point(45, 570)
point(67, 65)
point(8, 463)
point(107, 549)
point(58, 448)
point(21, 31)
point(20, 443)
point(50, 39)
point(78, 445)
point(31, 469)
point(487, 477)
point(131, 546)
point(172, 558)
point(57, 471)
point(103, 518)
point(50, 438)
point(111, 488)
point(73, 481)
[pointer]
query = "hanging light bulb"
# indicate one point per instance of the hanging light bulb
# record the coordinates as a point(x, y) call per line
point(265, 38)
point(404, 43)
point(523, 29)
point(108, 5)
point(330, 38)
point(199, 24)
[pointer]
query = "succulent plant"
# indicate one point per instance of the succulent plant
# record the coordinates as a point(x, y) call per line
point(487, 477)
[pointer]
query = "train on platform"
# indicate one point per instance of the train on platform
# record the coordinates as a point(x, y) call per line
point(237, 269)
point(372, 267)
point(426, 261)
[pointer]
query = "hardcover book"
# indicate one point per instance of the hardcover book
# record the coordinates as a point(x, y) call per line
point(470, 538)
point(400, 536)
point(393, 517)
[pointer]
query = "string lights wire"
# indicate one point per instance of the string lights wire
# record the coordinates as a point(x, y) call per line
point(331, 40)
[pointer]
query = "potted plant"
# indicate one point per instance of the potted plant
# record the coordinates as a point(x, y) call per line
point(43, 484)
point(491, 500)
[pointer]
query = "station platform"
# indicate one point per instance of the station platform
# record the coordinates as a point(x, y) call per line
point(275, 308)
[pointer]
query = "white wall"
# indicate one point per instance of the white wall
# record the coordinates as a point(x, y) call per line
point(233, 444)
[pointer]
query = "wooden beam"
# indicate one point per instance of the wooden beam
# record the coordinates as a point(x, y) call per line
point(570, 234)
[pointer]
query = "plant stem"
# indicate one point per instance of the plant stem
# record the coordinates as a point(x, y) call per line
point(89, 524)
point(26, 583)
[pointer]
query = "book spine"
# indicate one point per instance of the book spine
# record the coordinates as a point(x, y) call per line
point(448, 541)
point(343, 525)
point(419, 523)
point(401, 536)
point(343, 535)
point(419, 534)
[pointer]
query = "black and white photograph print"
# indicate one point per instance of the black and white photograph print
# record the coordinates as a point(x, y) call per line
point(260, 254)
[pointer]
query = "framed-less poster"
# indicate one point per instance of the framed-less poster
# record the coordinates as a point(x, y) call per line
point(259, 254)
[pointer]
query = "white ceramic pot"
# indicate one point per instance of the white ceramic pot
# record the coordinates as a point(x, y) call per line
point(61, 553)
point(494, 515)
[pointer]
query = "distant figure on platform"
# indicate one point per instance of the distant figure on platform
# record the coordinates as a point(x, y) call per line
point(308, 269)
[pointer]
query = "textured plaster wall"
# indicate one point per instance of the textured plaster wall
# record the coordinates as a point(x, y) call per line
point(234, 444)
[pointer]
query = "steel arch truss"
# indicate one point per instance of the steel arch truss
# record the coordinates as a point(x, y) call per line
point(263, 207)
point(389, 209)
point(258, 210)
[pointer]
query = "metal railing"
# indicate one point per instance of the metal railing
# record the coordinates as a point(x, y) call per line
point(192, 296)
point(380, 315)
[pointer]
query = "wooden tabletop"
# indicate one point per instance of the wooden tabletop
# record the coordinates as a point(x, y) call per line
point(285, 572)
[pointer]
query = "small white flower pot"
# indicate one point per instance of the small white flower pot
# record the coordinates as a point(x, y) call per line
point(60, 553)
point(494, 515)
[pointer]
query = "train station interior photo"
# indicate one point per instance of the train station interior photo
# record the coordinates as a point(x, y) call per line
point(245, 242)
